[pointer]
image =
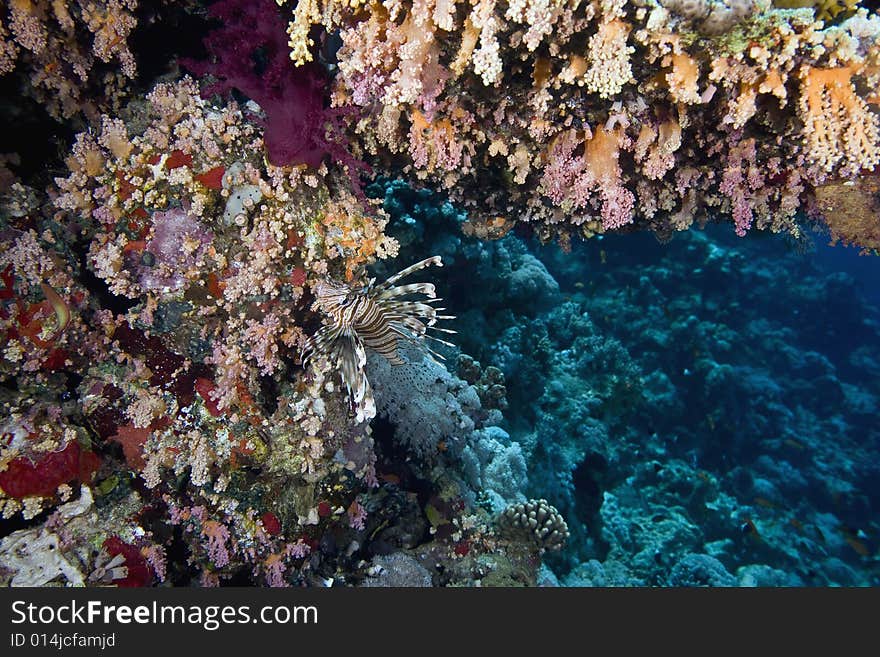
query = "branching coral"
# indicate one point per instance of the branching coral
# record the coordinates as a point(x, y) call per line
point(197, 280)
point(840, 131)
point(539, 520)
point(209, 256)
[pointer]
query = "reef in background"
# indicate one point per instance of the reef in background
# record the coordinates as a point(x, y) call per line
point(700, 412)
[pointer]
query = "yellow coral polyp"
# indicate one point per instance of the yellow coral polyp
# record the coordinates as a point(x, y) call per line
point(839, 129)
point(683, 78)
point(308, 13)
point(825, 10)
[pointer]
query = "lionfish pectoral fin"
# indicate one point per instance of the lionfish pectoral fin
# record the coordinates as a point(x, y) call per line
point(351, 357)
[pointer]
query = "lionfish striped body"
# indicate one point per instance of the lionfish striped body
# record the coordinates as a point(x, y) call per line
point(373, 317)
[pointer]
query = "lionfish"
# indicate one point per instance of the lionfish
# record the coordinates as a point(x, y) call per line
point(373, 317)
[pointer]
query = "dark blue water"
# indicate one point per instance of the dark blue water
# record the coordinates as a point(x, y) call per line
point(865, 270)
point(701, 411)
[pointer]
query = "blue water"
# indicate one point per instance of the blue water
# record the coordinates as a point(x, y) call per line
point(865, 270)
point(701, 411)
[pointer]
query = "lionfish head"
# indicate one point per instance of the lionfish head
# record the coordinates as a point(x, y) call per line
point(332, 296)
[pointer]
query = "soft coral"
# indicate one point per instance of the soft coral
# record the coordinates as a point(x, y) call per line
point(249, 53)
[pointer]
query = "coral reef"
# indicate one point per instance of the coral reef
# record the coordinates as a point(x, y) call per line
point(158, 308)
point(591, 117)
point(746, 440)
point(213, 371)
point(694, 398)
point(66, 76)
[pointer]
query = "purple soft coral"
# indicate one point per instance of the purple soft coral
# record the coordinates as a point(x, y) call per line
point(178, 240)
point(249, 53)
